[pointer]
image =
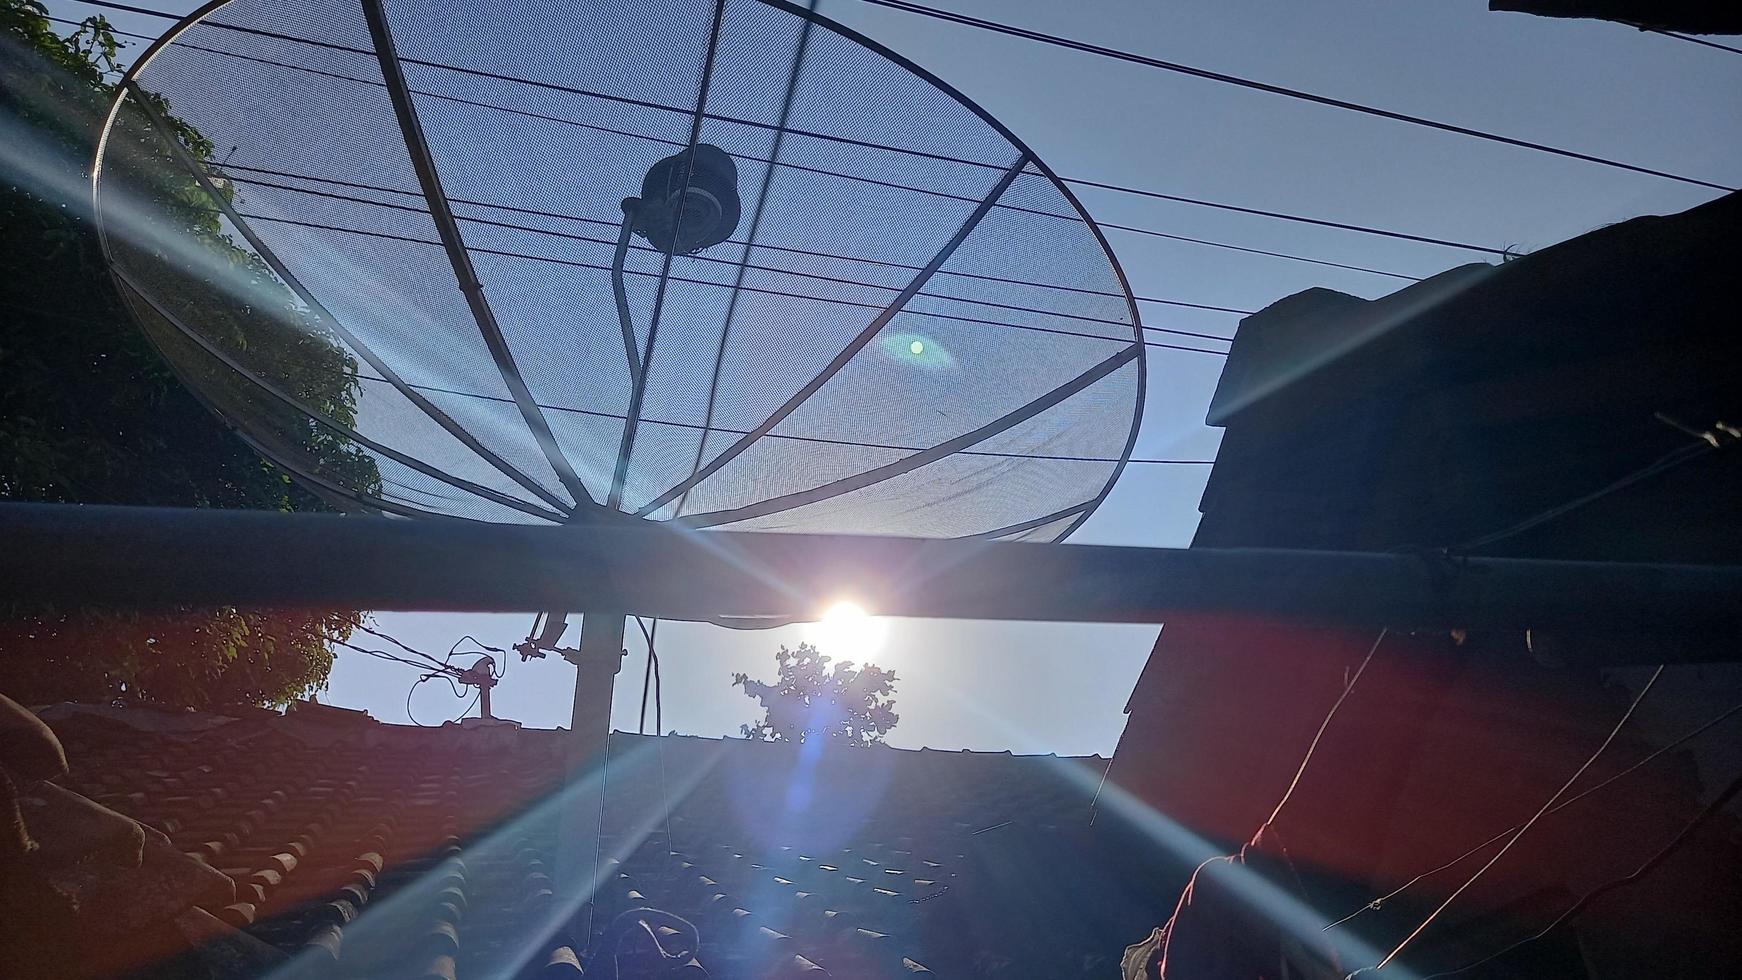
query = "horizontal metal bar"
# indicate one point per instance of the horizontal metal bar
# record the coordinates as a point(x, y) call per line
point(144, 557)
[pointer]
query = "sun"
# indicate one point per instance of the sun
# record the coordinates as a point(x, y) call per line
point(847, 632)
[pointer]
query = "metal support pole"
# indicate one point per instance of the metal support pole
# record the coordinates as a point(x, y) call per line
point(596, 662)
point(596, 667)
point(142, 558)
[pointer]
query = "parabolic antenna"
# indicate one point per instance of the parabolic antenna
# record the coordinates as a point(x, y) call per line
point(727, 265)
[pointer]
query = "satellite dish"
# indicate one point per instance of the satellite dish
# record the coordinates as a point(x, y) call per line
point(720, 264)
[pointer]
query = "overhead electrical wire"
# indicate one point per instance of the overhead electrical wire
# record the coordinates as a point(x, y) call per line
point(1379, 902)
point(820, 440)
point(1719, 436)
point(735, 263)
point(1083, 182)
point(1710, 810)
point(408, 649)
point(1313, 746)
point(430, 667)
point(437, 389)
point(1133, 229)
point(1524, 828)
point(1292, 93)
point(1696, 40)
point(1707, 441)
point(749, 289)
point(1294, 783)
point(377, 654)
point(651, 681)
point(228, 169)
point(427, 675)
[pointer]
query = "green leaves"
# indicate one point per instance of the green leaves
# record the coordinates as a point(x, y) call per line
point(91, 413)
point(199, 658)
point(810, 699)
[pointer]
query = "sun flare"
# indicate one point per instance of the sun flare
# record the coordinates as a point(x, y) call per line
point(847, 632)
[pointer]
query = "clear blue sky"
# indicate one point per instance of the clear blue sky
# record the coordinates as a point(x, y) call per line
point(1591, 86)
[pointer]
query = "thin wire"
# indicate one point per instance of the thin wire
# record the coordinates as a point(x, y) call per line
point(749, 289)
point(1710, 810)
point(408, 649)
point(442, 669)
point(658, 718)
point(1697, 40)
point(1297, 94)
point(1093, 812)
point(379, 654)
point(651, 675)
point(1379, 902)
point(1519, 834)
point(1320, 734)
point(468, 708)
point(1362, 229)
point(599, 834)
point(413, 690)
point(894, 185)
point(741, 264)
point(496, 671)
point(646, 676)
point(1253, 841)
point(1668, 461)
point(1155, 461)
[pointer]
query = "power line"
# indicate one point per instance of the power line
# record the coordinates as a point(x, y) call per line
point(1663, 463)
point(561, 216)
point(443, 664)
point(1684, 738)
point(1214, 76)
point(749, 289)
point(814, 439)
point(1525, 827)
point(1284, 216)
point(228, 168)
point(1313, 746)
point(1697, 40)
point(437, 389)
point(1132, 229)
point(431, 670)
point(794, 166)
point(1706, 813)
point(742, 264)
point(1199, 202)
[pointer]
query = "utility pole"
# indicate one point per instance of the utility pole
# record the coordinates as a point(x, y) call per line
point(597, 660)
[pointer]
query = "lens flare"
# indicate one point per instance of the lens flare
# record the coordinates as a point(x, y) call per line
point(916, 350)
point(847, 632)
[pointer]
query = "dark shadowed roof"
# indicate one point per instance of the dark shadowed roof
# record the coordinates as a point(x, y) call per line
point(368, 849)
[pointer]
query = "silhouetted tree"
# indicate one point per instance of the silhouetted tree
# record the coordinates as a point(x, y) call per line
point(810, 699)
point(89, 411)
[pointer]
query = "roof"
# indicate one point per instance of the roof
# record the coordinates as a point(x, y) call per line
point(1423, 420)
point(1693, 16)
point(372, 849)
point(1485, 394)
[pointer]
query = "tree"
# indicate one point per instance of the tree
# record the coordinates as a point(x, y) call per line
point(91, 413)
point(811, 699)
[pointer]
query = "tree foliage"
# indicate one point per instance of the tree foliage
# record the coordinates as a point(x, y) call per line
point(810, 699)
point(90, 412)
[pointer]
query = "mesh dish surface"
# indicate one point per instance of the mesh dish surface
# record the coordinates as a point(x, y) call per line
point(914, 329)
